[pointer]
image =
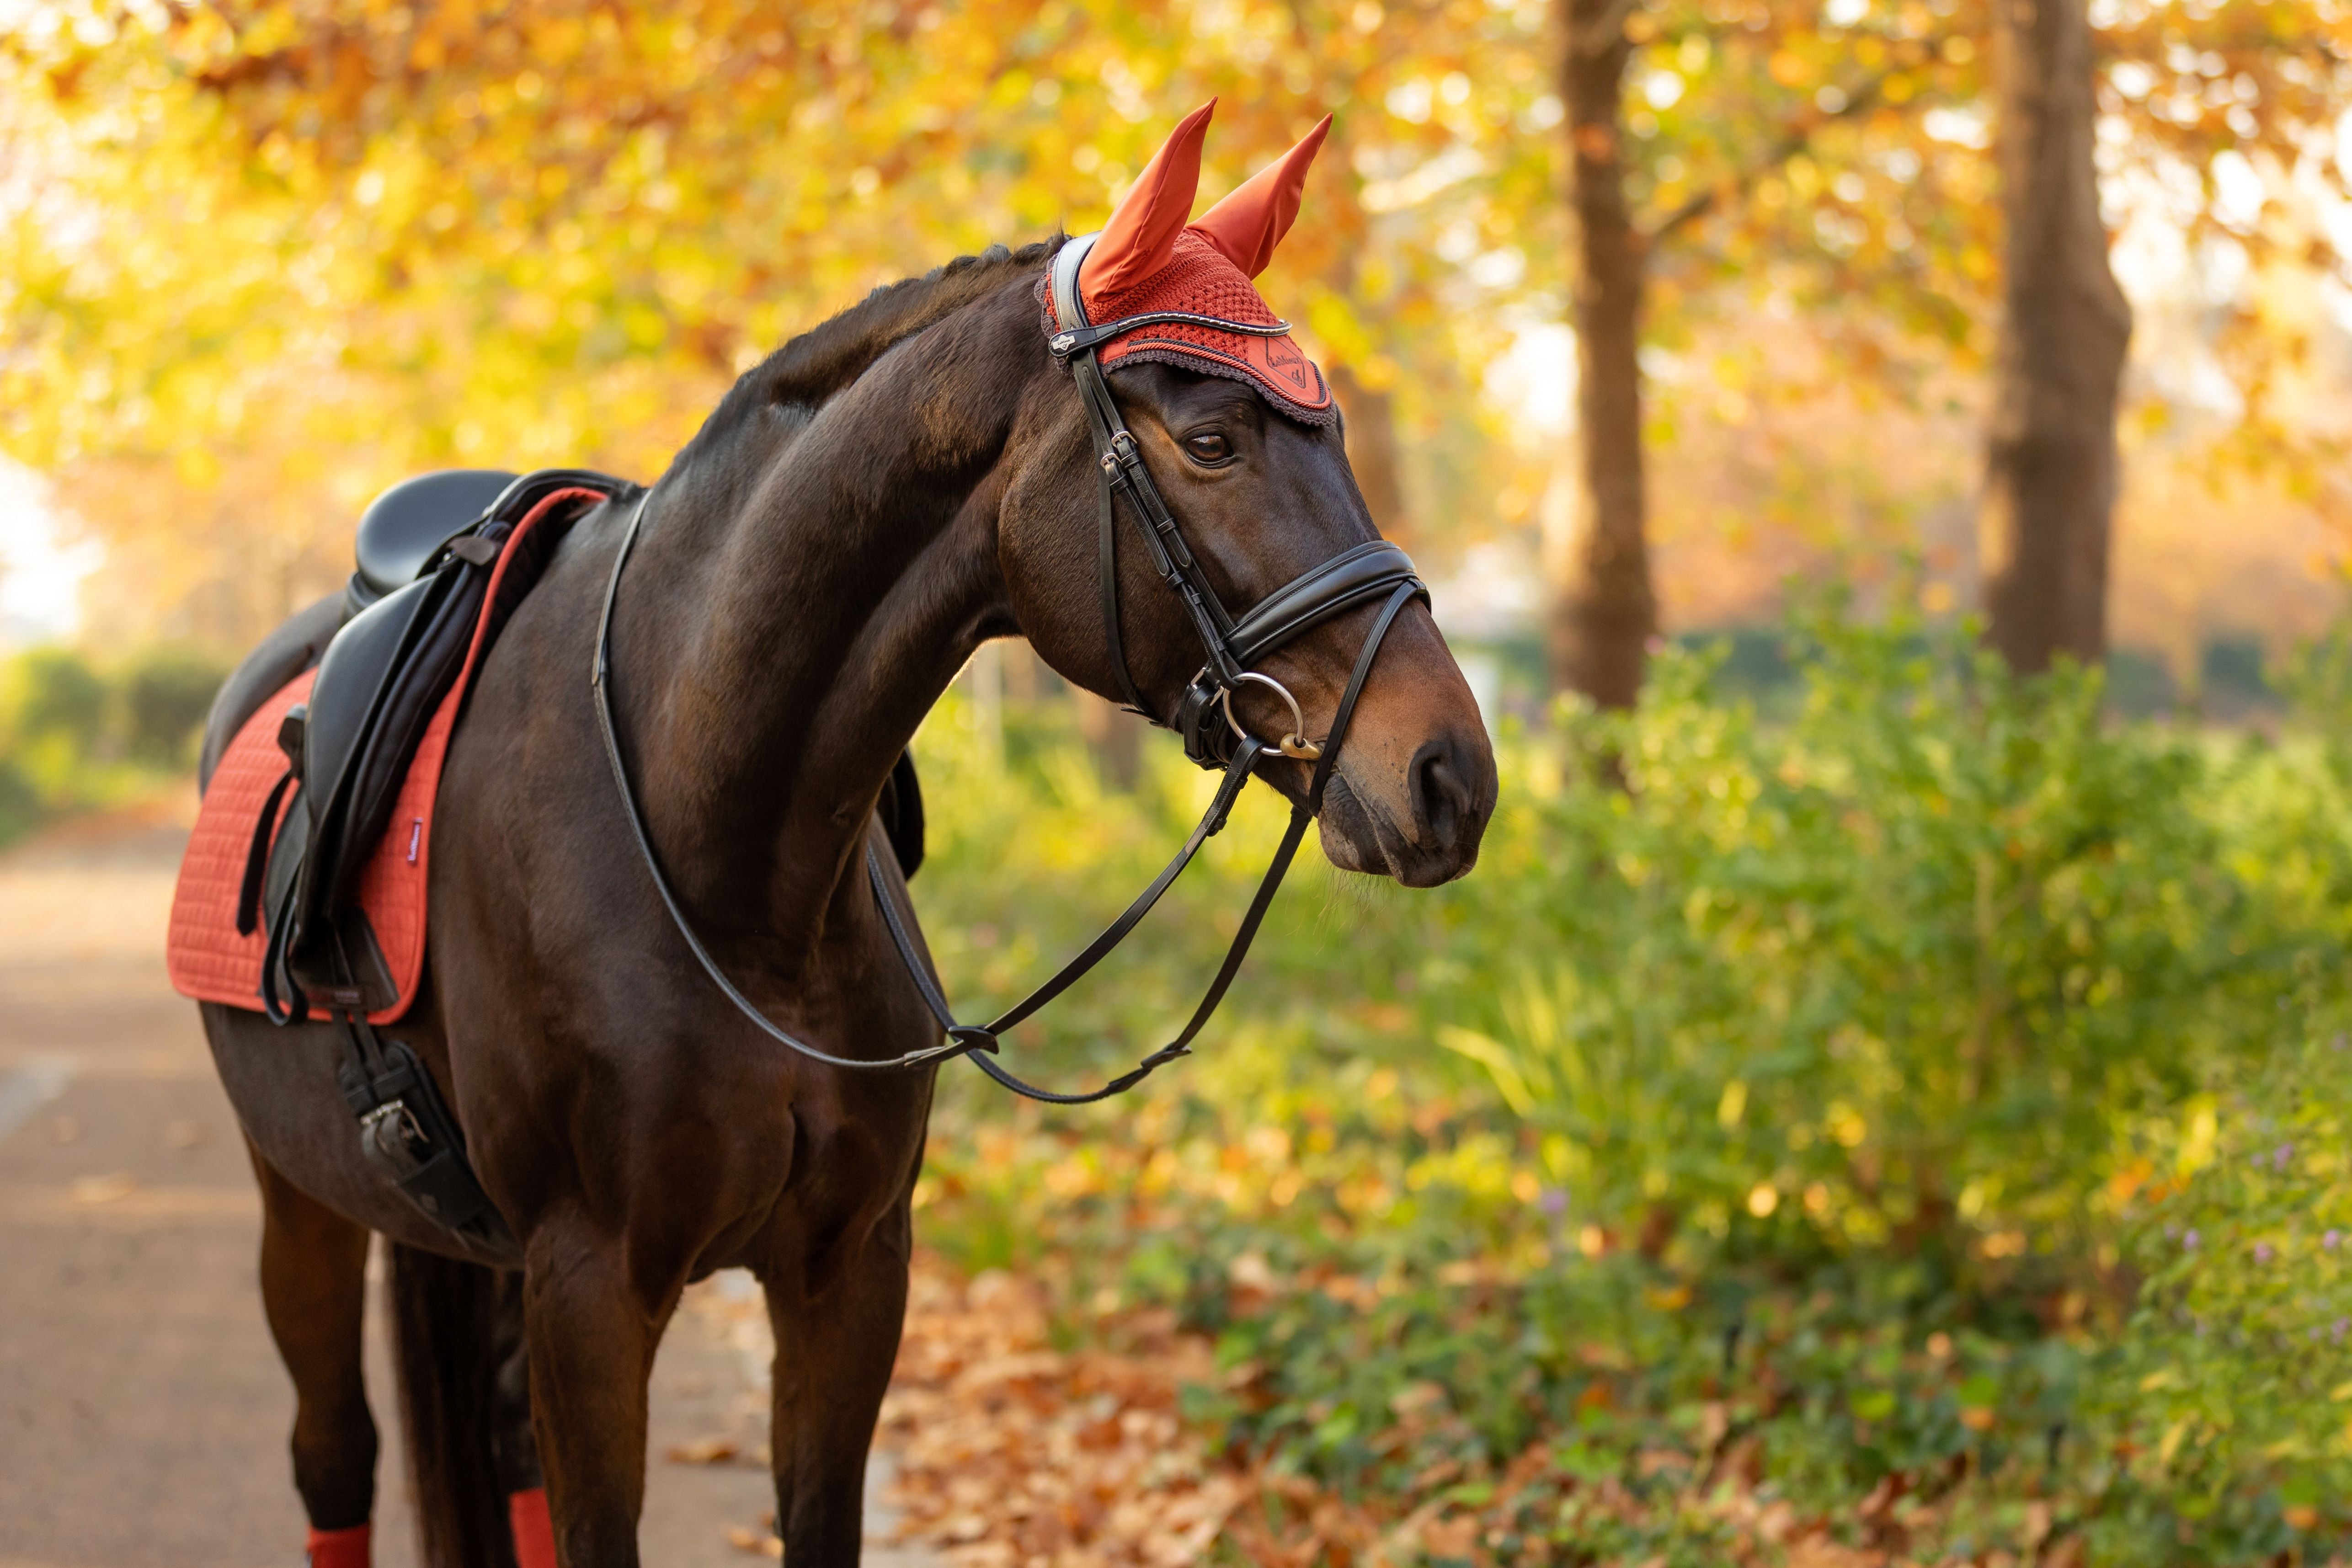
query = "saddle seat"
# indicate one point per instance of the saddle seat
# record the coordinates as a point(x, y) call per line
point(407, 526)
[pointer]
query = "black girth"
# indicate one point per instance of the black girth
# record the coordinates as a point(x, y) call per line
point(1213, 736)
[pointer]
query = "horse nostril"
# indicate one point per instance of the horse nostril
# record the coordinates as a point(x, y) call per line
point(1441, 796)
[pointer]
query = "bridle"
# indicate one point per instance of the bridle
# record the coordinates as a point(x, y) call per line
point(1213, 736)
point(1350, 578)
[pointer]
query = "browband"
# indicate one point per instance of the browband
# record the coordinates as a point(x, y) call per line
point(1071, 340)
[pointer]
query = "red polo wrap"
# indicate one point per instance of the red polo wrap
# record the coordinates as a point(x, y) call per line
point(338, 1548)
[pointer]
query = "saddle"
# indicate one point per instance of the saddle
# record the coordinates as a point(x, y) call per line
point(420, 607)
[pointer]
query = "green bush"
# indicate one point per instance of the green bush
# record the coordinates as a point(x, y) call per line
point(165, 695)
point(1811, 1083)
point(52, 706)
point(75, 735)
point(2232, 1385)
point(1894, 973)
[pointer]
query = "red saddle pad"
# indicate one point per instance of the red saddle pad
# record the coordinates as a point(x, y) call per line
point(207, 960)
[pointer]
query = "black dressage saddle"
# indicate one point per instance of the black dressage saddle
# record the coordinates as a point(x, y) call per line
point(428, 550)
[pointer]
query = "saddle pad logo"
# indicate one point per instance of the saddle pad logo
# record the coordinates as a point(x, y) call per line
point(1287, 361)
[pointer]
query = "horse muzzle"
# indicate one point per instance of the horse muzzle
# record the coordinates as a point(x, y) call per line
point(1421, 823)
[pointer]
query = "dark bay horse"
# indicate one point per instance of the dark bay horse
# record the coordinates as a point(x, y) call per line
point(860, 512)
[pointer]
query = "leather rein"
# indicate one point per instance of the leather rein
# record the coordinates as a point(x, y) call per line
point(1213, 737)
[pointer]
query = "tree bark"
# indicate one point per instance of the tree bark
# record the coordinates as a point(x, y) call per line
point(1603, 611)
point(2051, 466)
point(1115, 738)
point(1372, 451)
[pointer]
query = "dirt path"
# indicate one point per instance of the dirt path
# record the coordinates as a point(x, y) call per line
point(143, 1412)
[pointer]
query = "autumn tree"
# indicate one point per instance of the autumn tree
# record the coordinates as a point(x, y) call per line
point(2052, 468)
point(1835, 158)
point(277, 252)
point(550, 232)
point(1763, 93)
point(1604, 611)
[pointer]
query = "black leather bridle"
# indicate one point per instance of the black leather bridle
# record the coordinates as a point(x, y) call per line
point(1213, 737)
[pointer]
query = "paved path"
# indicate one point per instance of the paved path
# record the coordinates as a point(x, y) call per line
point(143, 1412)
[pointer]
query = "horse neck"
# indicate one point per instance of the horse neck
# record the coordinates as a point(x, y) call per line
point(800, 600)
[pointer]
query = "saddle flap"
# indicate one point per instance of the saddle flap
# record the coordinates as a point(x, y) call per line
point(354, 677)
point(377, 687)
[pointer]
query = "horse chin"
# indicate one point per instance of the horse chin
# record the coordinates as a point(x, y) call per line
point(1360, 837)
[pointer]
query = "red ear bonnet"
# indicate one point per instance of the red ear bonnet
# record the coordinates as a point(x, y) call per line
point(1140, 237)
point(1148, 261)
point(1247, 224)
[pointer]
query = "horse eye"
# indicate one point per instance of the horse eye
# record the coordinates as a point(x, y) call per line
point(1208, 447)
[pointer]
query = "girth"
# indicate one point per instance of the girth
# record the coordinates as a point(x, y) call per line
point(1213, 737)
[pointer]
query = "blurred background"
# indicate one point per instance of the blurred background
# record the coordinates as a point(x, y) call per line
point(1881, 1097)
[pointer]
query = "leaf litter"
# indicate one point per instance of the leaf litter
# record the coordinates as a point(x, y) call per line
point(1025, 1434)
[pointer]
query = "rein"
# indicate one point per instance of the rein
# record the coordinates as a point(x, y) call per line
point(1375, 569)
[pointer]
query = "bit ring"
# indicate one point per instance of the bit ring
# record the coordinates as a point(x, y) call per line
point(1295, 744)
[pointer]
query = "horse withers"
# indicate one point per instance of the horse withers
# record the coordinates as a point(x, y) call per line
point(913, 477)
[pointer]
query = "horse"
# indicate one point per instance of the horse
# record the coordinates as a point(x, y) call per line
point(861, 511)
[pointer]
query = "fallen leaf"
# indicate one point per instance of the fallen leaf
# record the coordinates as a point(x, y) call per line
point(712, 1450)
point(754, 1542)
point(106, 1189)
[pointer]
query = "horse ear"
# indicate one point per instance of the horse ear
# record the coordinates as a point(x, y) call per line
point(1140, 237)
point(1247, 226)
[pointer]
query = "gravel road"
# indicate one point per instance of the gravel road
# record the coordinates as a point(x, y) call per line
point(144, 1414)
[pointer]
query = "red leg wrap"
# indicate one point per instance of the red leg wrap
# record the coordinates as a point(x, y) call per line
point(534, 1531)
point(338, 1548)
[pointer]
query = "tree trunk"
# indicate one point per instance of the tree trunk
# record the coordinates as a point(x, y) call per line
point(1115, 738)
point(2052, 465)
point(1372, 451)
point(1603, 612)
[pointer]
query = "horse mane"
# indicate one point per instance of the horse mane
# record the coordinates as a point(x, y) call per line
point(826, 358)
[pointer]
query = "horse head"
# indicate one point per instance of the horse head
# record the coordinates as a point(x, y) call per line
point(1241, 439)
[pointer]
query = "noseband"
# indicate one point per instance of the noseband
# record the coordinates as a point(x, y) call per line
point(1213, 736)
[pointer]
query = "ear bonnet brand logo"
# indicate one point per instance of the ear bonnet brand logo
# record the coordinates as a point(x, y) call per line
point(1151, 259)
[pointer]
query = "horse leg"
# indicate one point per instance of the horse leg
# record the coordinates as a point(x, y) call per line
point(591, 1338)
point(314, 1292)
point(837, 1339)
point(510, 1439)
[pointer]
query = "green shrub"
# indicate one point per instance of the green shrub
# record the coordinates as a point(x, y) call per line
point(165, 695)
point(1811, 1083)
point(1890, 974)
point(51, 695)
point(2232, 1388)
point(75, 735)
